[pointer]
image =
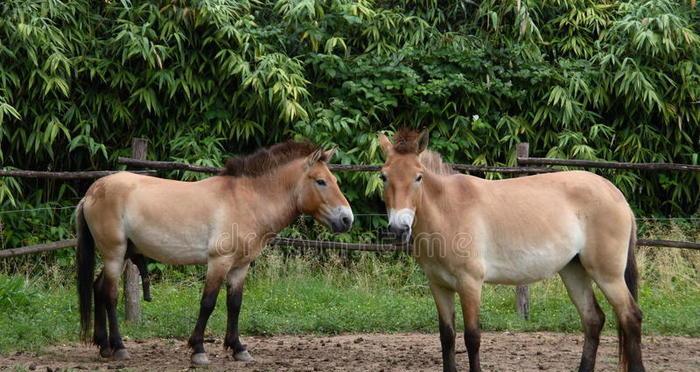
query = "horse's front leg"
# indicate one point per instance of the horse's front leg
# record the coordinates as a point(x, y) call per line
point(470, 298)
point(234, 300)
point(444, 300)
point(216, 272)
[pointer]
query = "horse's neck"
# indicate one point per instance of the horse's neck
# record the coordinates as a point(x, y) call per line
point(273, 202)
point(436, 200)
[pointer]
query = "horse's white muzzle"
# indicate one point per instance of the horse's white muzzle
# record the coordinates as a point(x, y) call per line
point(340, 219)
point(400, 223)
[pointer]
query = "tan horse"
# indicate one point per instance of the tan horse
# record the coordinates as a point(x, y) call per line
point(223, 222)
point(468, 231)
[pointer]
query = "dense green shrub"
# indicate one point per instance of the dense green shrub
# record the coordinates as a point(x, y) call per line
point(203, 79)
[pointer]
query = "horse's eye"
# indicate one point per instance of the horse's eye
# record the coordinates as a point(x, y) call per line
point(382, 177)
point(419, 178)
point(321, 182)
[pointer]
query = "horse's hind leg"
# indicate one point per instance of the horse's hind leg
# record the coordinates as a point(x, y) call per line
point(105, 288)
point(112, 271)
point(100, 336)
point(578, 285)
point(629, 318)
point(234, 300)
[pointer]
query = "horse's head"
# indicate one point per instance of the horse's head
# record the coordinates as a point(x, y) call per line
point(318, 193)
point(402, 174)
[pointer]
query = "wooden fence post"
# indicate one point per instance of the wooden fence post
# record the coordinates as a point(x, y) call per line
point(522, 292)
point(132, 288)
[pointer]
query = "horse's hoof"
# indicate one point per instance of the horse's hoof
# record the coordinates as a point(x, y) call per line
point(243, 356)
point(106, 352)
point(121, 354)
point(200, 359)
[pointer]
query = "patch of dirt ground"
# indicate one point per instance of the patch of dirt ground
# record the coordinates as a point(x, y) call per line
point(371, 352)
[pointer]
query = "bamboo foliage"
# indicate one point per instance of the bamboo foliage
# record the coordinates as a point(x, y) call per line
point(203, 79)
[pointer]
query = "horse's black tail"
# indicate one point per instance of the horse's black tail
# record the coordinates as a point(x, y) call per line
point(632, 281)
point(631, 273)
point(86, 272)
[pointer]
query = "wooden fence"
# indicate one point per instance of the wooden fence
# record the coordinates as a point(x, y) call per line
point(526, 165)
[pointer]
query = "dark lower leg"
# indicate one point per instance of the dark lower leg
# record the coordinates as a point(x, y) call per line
point(447, 340)
point(206, 306)
point(115, 338)
point(472, 339)
point(472, 331)
point(592, 327)
point(99, 337)
point(470, 297)
point(234, 299)
point(632, 340)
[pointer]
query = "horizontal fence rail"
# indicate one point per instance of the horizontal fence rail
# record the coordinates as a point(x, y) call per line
point(167, 165)
point(276, 242)
point(318, 244)
point(171, 165)
point(668, 244)
point(67, 175)
point(610, 164)
point(38, 248)
point(525, 169)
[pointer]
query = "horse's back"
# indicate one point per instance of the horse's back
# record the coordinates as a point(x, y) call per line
point(116, 187)
point(130, 190)
point(108, 196)
point(531, 227)
point(165, 219)
point(583, 194)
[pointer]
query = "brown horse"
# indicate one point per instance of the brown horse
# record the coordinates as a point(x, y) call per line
point(223, 221)
point(468, 231)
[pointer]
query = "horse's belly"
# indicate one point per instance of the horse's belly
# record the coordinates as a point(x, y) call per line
point(182, 247)
point(527, 264)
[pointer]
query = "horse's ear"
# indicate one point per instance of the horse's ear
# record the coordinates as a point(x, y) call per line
point(315, 156)
point(328, 154)
point(385, 145)
point(423, 139)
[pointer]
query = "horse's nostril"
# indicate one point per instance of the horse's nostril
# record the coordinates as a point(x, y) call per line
point(347, 221)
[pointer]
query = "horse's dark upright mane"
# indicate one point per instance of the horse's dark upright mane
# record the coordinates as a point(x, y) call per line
point(265, 160)
point(406, 141)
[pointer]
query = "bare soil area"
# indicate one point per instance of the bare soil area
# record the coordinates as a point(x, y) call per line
point(370, 352)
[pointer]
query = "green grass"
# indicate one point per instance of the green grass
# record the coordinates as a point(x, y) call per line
point(375, 294)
